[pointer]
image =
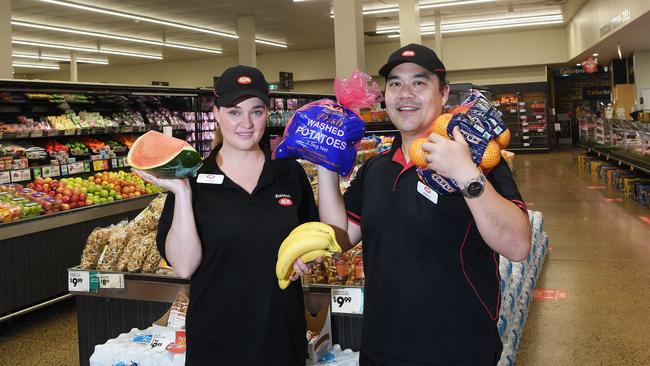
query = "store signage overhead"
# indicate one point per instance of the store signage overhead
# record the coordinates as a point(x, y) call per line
point(596, 92)
point(615, 23)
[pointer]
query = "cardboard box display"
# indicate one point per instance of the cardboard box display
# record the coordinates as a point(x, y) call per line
point(320, 324)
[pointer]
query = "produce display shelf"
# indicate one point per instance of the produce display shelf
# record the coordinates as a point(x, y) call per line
point(632, 161)
point(60, 219)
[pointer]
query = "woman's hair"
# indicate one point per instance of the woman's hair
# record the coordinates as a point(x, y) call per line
point(218, 136)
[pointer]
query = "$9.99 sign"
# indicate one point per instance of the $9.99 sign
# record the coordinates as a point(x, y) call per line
point(347, 300)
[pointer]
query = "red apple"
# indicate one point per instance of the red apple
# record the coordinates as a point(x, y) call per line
point(65, 199)
point(30, 185)
point(67, 192)
point(74, 205)
point(51, 193)
point(38, 188)
point(65, 207)
point(76, 191)
point(74, 198)
point(60, 190)
point(58, 196)
point(82, 197)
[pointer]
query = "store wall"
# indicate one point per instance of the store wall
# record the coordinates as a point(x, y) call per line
point(583, 31)
point(501, 51)
point(642, 76)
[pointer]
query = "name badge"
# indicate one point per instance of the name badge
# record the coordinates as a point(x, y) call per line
point(427, 192)
point(210, 178)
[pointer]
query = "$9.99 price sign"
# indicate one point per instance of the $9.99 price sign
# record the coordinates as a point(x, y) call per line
point(347, 300)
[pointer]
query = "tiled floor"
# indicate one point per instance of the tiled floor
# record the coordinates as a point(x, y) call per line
point(600, 257)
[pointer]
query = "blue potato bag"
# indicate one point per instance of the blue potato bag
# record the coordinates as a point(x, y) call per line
point(324, 133)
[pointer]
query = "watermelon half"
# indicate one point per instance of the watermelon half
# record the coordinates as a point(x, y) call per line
point(164, 156)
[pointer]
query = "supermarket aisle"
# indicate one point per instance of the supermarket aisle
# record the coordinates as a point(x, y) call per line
point(600, 258)
point(44, 337)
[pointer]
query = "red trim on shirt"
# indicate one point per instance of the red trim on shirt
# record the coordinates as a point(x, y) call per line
point(354, 217)
point(521, 205)
point(462, 263)
point(399, 158)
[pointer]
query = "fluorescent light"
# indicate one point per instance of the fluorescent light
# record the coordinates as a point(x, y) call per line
point(112, 36)
point(578, 64)
point(84, 32)
point(595, 54)
point(496, 23)
point(53, 45)
point(531, 24)
point(380, 11)
point(36, 66)
point(453, 3)
point(271, 43)
point(132, 54)
point(394, 36)
point(60, 58)
point(85, 49)
point(139, 17)
point(193, 48)
point(168, 23)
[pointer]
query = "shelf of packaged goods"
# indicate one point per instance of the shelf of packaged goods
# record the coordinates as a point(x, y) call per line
point(52, 221)
point(634, 161)
point(528, 149)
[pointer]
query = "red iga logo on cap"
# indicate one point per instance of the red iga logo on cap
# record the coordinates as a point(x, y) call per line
point(408, 53)
point(244, 80)
point(286, 202)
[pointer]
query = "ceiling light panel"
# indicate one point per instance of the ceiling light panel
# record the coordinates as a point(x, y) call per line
point(85, 49)
point(112, 36)
point(82, 60)
point(142, 18)
point(35, 65)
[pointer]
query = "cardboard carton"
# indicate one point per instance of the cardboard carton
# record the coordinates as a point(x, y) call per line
point(320, 324)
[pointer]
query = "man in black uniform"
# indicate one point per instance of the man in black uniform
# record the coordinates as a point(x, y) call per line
point(432, 262)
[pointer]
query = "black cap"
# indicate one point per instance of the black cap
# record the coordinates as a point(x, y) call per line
point(417, 54)
point(240, 81)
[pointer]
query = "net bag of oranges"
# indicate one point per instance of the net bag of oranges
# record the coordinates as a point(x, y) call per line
point(483, 129)
point(325, 132)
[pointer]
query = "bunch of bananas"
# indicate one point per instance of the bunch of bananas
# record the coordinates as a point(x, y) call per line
point(307, 242)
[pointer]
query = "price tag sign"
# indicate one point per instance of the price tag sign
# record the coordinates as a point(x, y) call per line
point(79, 281)
point(540, 130)
point(22, 135)
point(539, 116)
point(522, 110)
point(21, 175)
point(37, 133)
point(126, 162)
point(525, 137)
point(5, 177)
point(100, 165)
point(120, 163)
point(114, 163)
point(37, 172)
point(0, 135)
point(86, 167)
point(64, 170)
point(68, 132)
point(111, 280)
point(347, 300)
point(513, 111)
point(51, 171)
point(526, 144)
point(128, 129)
point(524, 130)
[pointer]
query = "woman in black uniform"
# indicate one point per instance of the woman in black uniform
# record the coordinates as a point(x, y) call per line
point(223, 229)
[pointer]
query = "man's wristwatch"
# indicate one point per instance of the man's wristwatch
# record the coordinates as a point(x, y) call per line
point(474, 187)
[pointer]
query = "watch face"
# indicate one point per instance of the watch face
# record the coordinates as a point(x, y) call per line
point(474, 189)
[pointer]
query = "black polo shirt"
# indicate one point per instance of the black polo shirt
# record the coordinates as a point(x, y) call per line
point(237, 313)
point(432, 291)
